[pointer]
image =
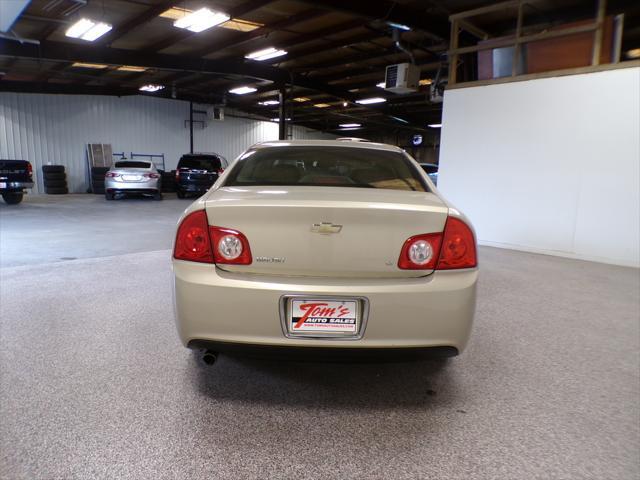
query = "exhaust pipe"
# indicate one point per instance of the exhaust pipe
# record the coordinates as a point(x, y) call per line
point(209, 357)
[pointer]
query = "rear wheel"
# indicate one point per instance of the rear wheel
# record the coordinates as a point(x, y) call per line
point(109, 196)
point(12, 198)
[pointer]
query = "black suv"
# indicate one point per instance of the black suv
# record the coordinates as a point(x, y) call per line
point(196, 172)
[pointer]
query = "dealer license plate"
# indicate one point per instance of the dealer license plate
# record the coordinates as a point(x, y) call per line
point(323, 317)
point(3, 185)
point(131, 178)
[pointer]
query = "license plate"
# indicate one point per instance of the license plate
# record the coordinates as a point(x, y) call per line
point(3, 185)
point(131, 178)
point(323, 317)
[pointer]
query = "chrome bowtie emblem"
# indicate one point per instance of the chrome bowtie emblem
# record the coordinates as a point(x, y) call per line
point(325, 228)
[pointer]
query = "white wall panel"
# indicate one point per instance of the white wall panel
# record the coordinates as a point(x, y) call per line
point(55, 129)
point(549, 165)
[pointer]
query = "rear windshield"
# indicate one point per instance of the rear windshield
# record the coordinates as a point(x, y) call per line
point(429, 167)
point(201, 163)
point(131, 164)
point(326, 167)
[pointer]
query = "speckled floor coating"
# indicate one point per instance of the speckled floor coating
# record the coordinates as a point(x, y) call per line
point(94, 384)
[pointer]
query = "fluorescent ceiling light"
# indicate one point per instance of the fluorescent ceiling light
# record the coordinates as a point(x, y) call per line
point(350, 128)
point(151, 88)
point(265, 54)
point(399, 119)
point(241, 25)
point(201, 20)
point(400, 26)
point(380, 85)
point(322, 105)
point(425, 81)
point(435, 125)
point(301, 99)
point(243, 90)
point(350, 125)
point(277, 119)
point(88, 30)
point(131, 68)
point(89, 65)
point(269, 102)
point(369, 101)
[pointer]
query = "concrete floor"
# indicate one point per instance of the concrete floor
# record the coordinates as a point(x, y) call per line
point(94, 382)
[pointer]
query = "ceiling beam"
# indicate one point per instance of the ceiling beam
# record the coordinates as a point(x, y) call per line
point(140, 19)
point(386, 10)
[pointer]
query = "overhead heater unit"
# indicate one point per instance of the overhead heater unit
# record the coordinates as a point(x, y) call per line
point(402, 78)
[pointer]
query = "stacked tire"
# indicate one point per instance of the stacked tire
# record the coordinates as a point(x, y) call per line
point(55, 179)
point(97, 179)
point(169, 182)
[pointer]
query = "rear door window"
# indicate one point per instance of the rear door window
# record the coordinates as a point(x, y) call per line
point(326, 166)
point(211, 164)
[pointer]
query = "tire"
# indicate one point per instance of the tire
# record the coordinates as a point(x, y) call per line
point(99, 170)
point(55, 184)
point(98, 189)
point(157, 196)
point(53, 168)
point(56, 190)
point(109, 196)
point(180, 194)
point(12, 198)
point(55, 176)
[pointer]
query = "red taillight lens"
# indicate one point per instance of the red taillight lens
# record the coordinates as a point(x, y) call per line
point(29, 168)
point(220, 171)
point(192, 240)
point(230, 246)
point(152, 175)
point(111, 174)
point(458, 246)
point(177, 174)
point(420, 252)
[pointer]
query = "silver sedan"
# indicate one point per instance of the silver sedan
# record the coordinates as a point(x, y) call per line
point(132, 177)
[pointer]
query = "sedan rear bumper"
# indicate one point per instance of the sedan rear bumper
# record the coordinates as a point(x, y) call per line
point(229, 308)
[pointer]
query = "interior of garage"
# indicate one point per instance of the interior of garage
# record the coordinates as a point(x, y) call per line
point(529, 112)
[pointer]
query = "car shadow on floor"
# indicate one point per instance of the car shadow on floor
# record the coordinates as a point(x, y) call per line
point(341, 385)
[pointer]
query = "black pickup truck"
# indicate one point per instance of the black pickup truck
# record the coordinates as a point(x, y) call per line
point(15, 176)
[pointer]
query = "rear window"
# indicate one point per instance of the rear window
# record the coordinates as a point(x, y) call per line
point(130, 164)
point(326, 167)
point(201, 163)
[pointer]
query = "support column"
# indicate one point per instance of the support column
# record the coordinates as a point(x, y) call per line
point(282, 120)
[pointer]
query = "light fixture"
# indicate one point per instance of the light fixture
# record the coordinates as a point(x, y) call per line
point(369, 101)
point(89, 65)
point(265, 54)
point(425, 81)
point(277, 119)
point(131, 68)
point(399, 119)
point(380, 85)
point(201, 20)
point(399, 26)
point(151, 88)
point(269, 102)
point(345, 104)
point(243, 90)
point(88, 30)
point(322, 105)
point(301, 99)
point(633, 53)
point(350, 128)
point(176, 13)
point(350, 125)
point(435, 125)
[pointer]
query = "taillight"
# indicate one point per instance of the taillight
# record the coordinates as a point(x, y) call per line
point(151, 175)
point(220, 171)
point(420, 252)
point(458, 246)
point(177, 175)
point(29, 168)
point(111, 174)
point(230, 246)
point(452, 249)
point(192, 240)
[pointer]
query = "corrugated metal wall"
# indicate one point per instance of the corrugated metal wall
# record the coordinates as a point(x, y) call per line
point(55, 129)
